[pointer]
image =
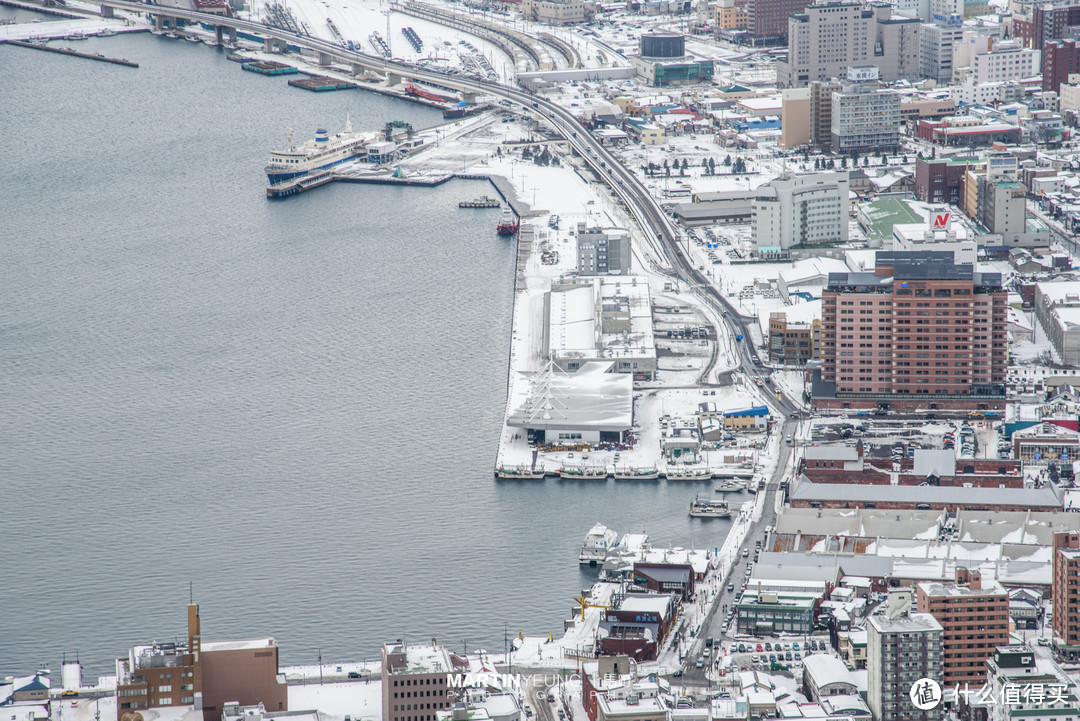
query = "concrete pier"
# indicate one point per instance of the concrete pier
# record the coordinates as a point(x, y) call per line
point(75, 53)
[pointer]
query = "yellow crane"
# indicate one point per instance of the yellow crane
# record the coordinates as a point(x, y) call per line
point(584, 603)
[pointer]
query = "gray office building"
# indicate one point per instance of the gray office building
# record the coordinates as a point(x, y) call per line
point(603, 251)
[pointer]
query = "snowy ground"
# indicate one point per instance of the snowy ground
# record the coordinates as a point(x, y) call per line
point(57, 29)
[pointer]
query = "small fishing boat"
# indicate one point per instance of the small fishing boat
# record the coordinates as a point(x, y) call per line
point(482, 202)
point(689, 474)
point(583, 473)
point(637, 474)
point(709, 508)
point(519, 473)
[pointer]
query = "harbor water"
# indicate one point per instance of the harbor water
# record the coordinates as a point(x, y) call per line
point(292, 406)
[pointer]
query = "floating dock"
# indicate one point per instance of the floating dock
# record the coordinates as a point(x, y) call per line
point(69, 51)
point(322, 84)
point(269, 67)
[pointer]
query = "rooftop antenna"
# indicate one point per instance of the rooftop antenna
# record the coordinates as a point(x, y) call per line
point(191, 592)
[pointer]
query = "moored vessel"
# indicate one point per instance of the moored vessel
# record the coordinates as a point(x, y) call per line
point(482, 202)
point(689, 474)
point(583, 473)
point(519, 472)
point(709, 508)
point(598, 541)
point(729, 486)
point(508, 223)
point(637, 474)
point(324, 151)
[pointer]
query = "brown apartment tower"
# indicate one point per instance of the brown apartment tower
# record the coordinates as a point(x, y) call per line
point(768, 19)
point(920, 332)
point(974, 620)
point(1065, 595)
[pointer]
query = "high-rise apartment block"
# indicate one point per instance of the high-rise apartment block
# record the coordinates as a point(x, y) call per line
point(767, 20)
point(901, 648)
point(821, 113)
point(975, 619)
point(1037, 22)
point(919, 331)
point(864, 116)
point(936, 42)
point(1065, 594)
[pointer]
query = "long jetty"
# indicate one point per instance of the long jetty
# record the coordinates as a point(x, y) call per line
point(69, 51)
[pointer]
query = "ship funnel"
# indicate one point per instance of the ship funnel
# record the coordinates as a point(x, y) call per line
point(321, 137)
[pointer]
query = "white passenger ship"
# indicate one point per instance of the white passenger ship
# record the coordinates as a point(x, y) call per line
point(324, 151)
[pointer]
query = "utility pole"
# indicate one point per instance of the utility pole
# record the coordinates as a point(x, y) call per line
point(320, 667)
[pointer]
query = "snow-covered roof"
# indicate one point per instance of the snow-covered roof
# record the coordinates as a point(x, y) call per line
point(831, 453)
point(824, 669)
point(1014, 527)
point(1021, 497)
point(645, 603)
point(237, 645)
point(592, 398)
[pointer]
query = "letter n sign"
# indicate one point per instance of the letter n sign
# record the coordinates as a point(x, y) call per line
point(941, 221)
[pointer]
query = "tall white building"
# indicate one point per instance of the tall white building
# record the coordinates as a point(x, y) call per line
point(936, 42)
point(1003, 61)
point(800, 210)
point(827, 38)
point(901, 648)
point(865, 117)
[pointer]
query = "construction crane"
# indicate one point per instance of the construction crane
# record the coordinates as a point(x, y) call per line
point(584, 603)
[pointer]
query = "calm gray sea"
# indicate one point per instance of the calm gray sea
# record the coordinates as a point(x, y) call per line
point(294, 406)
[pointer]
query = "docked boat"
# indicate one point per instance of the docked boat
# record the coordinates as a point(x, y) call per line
point(482, 202)
point(324, 151)
point(77, 35)
point(508, 223)
point(192, 39)
point(598, 541)
point(709, 508)
point(106, 33)
point(519, 473)
point(689, 474)
point(582, 473)
point(729, 486)
point(637, 474)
